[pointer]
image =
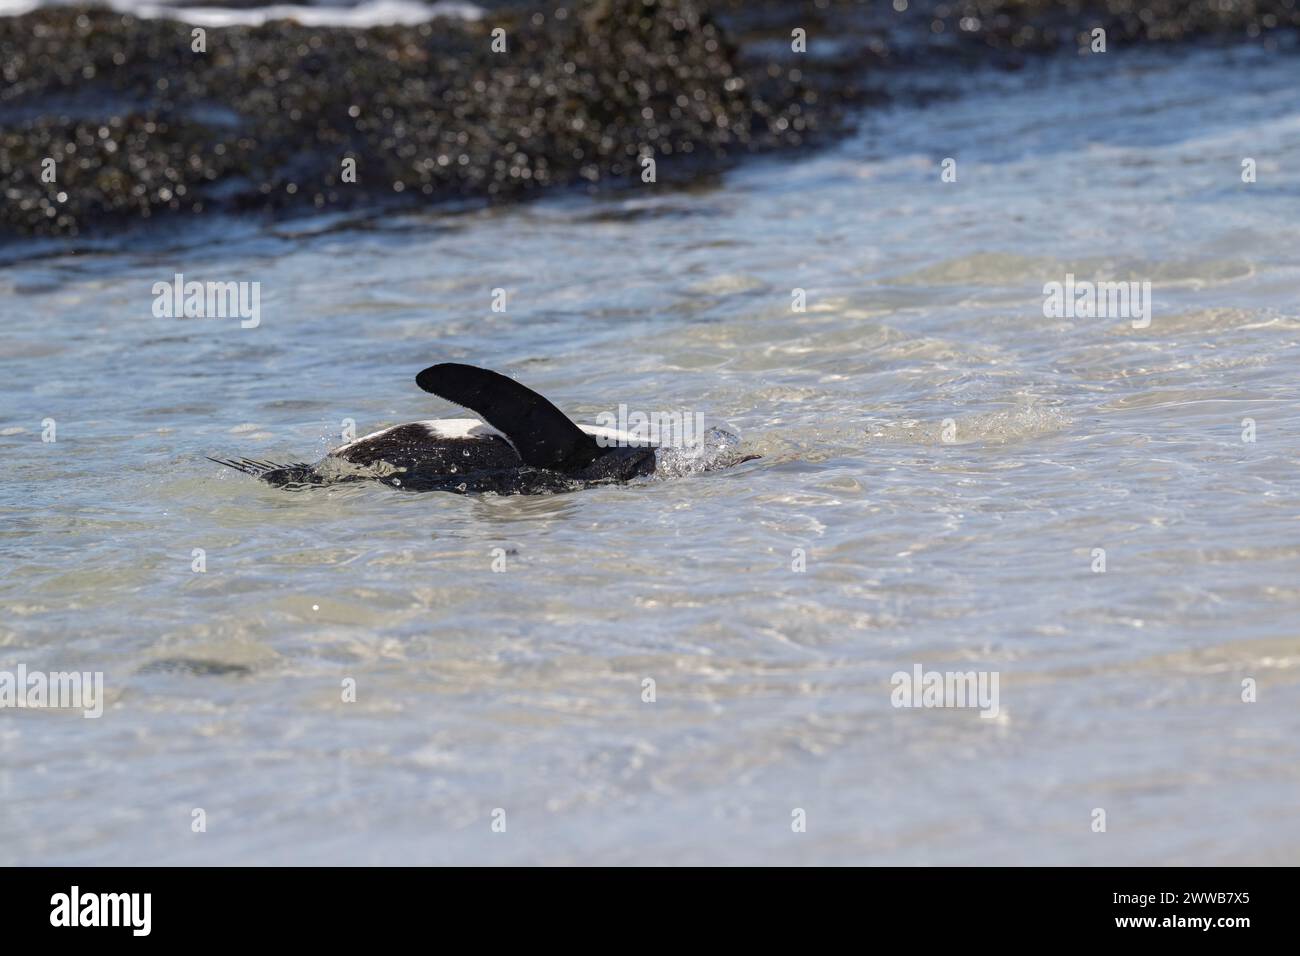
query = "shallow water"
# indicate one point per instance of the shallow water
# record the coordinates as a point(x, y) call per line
point(522, 690)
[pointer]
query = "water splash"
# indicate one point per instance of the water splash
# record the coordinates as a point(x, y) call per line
point(719, 449)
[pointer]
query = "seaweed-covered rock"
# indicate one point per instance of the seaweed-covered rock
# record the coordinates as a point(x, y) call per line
point(139, 123)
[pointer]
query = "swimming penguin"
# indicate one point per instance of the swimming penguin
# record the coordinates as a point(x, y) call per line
point(524, 445)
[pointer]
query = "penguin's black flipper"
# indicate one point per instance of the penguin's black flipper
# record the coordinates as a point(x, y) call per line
point(541, 433)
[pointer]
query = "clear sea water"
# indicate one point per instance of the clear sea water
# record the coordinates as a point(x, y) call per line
point(522, 691)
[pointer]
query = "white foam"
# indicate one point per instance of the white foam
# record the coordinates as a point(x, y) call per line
point(368, 13)
point(719, 449)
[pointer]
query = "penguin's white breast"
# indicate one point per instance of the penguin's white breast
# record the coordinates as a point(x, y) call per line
point(448, 428)
point(458, 428)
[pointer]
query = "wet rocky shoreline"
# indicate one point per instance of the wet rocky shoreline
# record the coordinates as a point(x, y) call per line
point(282, 118)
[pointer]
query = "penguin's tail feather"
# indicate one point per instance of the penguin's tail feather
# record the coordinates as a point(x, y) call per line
point(295, 473)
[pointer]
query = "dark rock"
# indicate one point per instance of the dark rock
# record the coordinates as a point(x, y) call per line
point(140, 126)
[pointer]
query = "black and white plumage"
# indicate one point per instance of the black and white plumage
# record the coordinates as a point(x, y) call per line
point(524, 445)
